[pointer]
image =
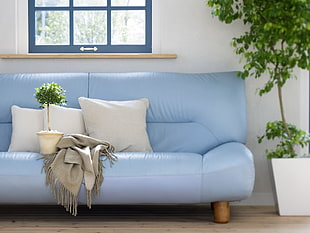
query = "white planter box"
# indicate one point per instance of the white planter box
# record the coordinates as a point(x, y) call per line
point(292, 183)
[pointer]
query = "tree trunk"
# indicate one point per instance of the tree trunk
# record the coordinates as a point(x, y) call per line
point(283, 118)
point(48, 117)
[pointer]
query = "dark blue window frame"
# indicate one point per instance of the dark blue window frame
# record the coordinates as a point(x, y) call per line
point(108, 48)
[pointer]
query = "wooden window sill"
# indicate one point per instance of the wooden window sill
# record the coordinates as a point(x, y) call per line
point(88, 56)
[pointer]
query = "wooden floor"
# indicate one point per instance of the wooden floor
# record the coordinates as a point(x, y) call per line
point(146, 219)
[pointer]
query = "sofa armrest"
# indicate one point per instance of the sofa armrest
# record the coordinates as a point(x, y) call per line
point(228, 173)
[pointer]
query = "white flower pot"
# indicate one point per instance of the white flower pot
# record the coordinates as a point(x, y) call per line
point(292, 184)
point(48, 141)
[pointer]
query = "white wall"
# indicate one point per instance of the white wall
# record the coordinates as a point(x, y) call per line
point(184, 27)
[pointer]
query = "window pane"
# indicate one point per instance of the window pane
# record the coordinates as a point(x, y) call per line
point(90, 27)
point(128, 2)
point(90, 2)
point(128, 27)
point(52, 3)
point(52, 27)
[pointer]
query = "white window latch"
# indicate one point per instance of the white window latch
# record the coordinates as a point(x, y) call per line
point(88, 49)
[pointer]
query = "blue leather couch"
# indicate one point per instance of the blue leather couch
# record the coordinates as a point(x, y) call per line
point(196, 125)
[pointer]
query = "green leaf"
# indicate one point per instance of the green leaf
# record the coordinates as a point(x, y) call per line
point(275, 42)
point(50, 93)
point(276, 131)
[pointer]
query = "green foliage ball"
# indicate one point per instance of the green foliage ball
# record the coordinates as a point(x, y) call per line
point(50, 93)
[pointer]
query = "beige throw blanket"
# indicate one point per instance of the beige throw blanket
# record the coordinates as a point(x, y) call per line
point(79, 158)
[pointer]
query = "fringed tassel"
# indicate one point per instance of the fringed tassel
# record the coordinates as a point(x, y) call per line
point(108, 156)
point(64, 197)
point(67, 199)
point(89, 198)
point(92, 194)
point(98, 180)
point(70, 201)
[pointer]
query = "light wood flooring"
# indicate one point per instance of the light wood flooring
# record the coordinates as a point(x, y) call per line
point(146, 219)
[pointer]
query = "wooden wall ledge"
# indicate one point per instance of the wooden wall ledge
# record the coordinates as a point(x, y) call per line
point(88, 56)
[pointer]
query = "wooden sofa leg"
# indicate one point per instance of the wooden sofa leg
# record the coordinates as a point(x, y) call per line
point(221, 211)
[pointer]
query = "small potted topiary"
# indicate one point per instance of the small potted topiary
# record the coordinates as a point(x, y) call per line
point(47, 94)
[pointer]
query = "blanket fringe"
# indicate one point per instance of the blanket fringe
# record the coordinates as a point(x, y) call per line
point(64, 197)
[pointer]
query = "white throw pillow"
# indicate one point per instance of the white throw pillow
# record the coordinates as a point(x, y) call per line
point(121, 123)
point(26, 123)
point(65, 120)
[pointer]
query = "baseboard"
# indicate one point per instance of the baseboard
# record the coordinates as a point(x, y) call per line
point(257, 199)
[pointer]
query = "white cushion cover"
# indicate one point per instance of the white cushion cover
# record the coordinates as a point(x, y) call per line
point(65, 120)
point(121, 123)
point(26, 123)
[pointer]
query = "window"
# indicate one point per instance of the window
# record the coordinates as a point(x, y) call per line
point(90, 26)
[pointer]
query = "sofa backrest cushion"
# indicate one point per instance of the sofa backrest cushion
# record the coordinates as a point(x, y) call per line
point(188, 112)
point(19, 89)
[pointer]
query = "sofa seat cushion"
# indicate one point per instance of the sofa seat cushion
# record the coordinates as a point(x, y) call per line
point(128, 164)
point(154, 163)
point(20, 164)
point(21, 179)
point(136, 178)
point(144, 178)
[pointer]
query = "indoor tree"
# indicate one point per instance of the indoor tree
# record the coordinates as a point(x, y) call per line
point(277, 41)
point(50, 93)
